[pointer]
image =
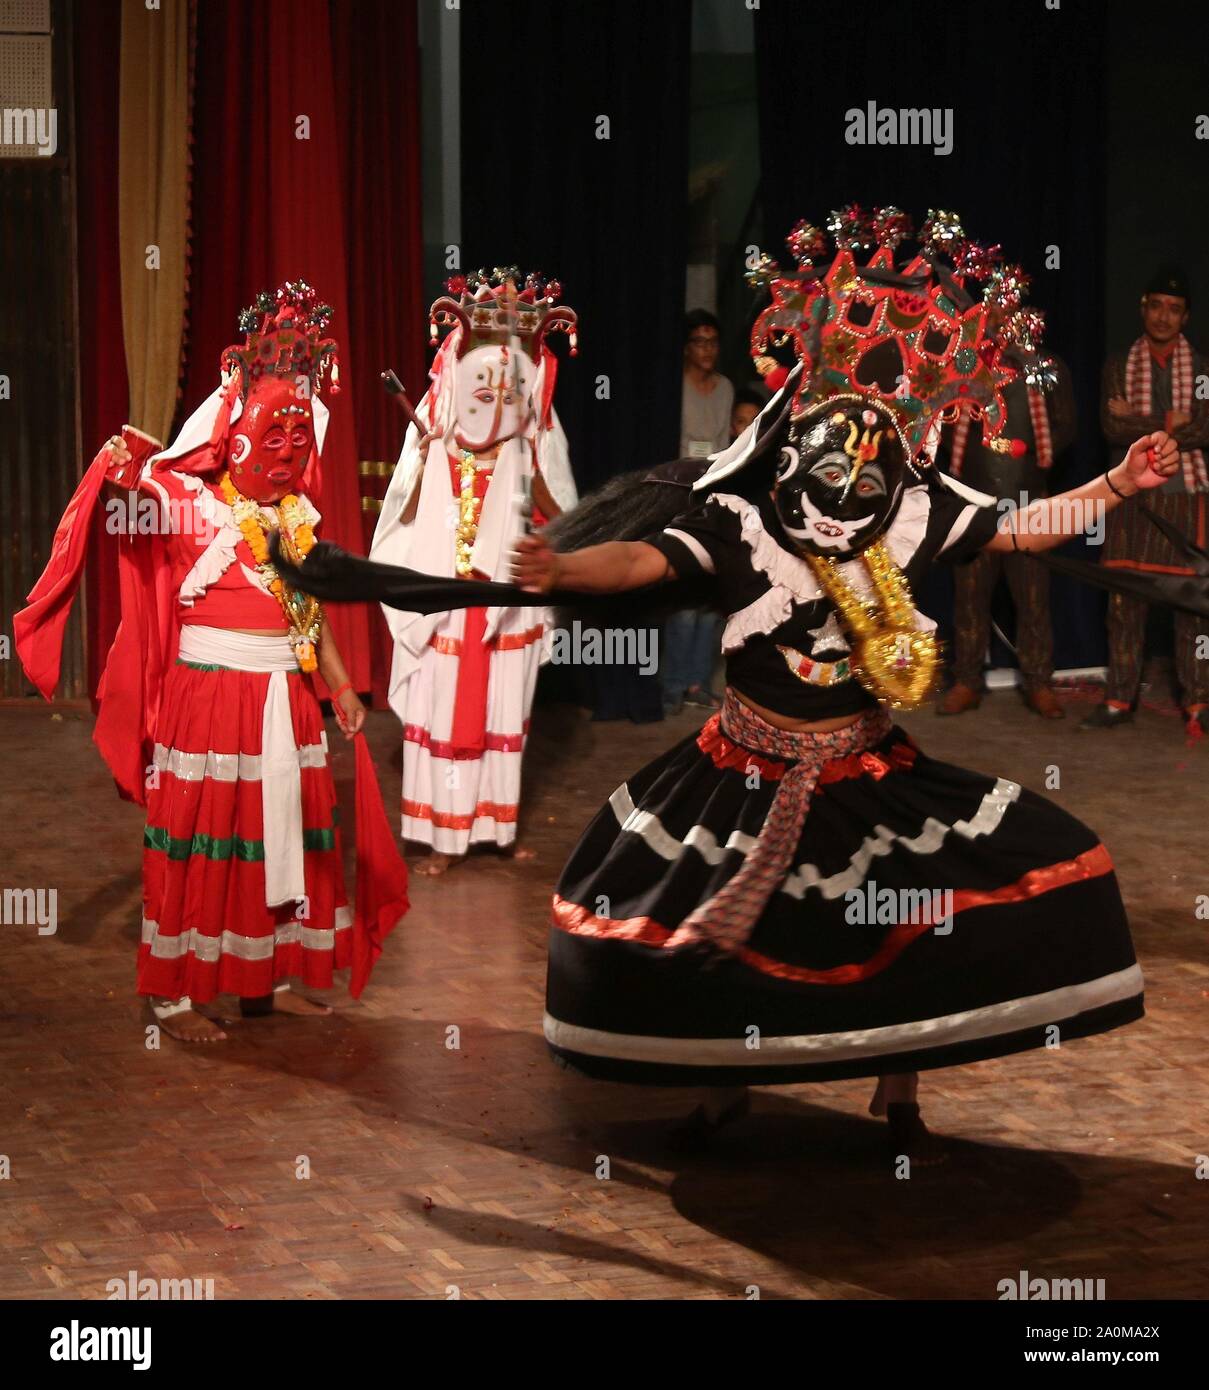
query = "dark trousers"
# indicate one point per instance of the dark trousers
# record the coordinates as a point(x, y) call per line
point(1028, 583)
point(1126, 647)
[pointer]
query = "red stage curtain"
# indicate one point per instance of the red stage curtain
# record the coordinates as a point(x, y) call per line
point(376, 58)
point(268, 205)
point(104, 393)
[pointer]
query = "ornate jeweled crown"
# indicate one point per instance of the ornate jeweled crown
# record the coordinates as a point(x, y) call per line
point(284, 337)
point(915, 338)
point(491, 306)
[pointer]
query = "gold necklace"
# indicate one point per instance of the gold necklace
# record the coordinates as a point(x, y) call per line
point(891, 658)
point(469, 507)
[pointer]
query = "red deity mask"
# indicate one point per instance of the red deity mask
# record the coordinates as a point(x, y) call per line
point(270, 445)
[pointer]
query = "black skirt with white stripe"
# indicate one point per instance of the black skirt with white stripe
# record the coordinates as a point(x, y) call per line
point(931, 916)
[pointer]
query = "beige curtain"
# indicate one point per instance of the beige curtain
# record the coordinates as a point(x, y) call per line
point(153, 178)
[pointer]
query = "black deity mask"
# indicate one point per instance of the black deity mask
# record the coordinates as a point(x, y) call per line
point(841, 478)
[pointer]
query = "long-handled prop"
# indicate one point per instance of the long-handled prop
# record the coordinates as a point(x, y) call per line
point(394, 388)
point(1187, 592)
point(514, 347)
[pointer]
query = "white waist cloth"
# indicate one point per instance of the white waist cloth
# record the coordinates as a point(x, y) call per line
point(281, 768)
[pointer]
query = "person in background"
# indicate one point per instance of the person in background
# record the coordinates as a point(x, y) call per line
point(1156, 385)
point(691, 636)
point(747, 406)
point(1039, 427)
point(708, 395)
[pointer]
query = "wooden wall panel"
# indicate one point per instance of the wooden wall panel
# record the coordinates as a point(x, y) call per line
point(40, 459)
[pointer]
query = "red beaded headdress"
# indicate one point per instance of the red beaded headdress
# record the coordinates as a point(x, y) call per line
point(914, 338)
point(284, 338)
point(491, 308)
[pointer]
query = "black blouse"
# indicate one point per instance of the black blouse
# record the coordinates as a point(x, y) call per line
point(784, 645)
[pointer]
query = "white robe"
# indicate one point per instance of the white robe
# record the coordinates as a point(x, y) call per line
point(450, 799)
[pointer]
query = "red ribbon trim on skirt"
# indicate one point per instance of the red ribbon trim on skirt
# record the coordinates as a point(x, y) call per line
point(504, 642)
point(1092, 863)
point(452, 752)
point(445, 820)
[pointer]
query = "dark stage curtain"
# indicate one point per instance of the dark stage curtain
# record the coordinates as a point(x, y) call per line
point(1026, 85)
point(606, 216)
point(104, 391)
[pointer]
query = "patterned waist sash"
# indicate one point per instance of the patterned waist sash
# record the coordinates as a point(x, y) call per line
point(727, 920)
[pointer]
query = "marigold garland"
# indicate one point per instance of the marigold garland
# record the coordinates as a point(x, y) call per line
point(303, 613)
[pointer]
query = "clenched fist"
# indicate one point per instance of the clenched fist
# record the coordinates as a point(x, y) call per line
point(1152, 459)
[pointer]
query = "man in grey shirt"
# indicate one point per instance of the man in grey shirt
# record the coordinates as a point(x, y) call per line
point(708, 395)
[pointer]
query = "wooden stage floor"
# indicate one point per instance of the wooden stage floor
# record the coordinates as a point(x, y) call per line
point(436, 1172)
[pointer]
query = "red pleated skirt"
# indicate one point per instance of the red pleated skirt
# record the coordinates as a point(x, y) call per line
point(206, 928)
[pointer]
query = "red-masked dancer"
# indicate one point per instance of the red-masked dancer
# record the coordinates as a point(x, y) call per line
point(207, 713)
point(490, 458)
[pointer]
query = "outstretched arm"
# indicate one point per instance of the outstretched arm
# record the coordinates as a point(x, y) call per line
point(611, 568)
point(1049, 521)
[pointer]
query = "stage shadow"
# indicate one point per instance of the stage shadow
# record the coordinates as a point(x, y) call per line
point(119, 897)
point(813, 1189)
point(548, 1243)
point(821, 1193)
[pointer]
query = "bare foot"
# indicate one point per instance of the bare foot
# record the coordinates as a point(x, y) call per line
point(910, 1136)
point(287, 1002)
point(721, 1106)
point(897, 1086)
point(191, 1027)
point(432, 866)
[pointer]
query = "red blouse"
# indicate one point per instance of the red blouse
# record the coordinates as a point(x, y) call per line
point(232, 600)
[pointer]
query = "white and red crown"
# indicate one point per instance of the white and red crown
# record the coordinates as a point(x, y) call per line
point(493, 306)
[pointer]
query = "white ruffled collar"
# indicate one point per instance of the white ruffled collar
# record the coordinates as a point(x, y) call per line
point(219, 555)
point(790, 578)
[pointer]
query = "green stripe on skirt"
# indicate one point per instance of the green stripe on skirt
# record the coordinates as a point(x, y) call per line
point(213, 847)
